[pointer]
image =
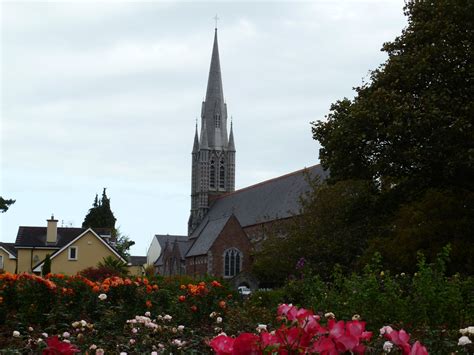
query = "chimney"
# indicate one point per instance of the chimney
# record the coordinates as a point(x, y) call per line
point(52, 230)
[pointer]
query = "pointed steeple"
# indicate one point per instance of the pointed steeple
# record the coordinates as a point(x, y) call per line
point(204, 144)
point(231, 146)
point(196, 140)
point(214, 83)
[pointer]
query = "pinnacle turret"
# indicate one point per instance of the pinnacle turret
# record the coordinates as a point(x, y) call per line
point(204, 141)
point(231, 146)
point(196, 141)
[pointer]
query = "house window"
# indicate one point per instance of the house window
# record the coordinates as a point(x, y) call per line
point(232, 262)
point(72, 253)
point(1, 261)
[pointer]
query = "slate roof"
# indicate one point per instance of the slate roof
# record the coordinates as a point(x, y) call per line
point(168, 240)
point(269, 200)
point(36, 236)
point(10, 247)
point(137, 260)
point(207, 236)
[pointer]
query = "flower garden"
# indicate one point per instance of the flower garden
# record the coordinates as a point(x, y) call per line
point(372, 313)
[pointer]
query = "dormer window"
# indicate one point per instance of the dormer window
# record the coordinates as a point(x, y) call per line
point(72, 253)
point(217, 118)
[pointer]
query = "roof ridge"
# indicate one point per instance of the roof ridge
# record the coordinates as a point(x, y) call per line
point(265, 182)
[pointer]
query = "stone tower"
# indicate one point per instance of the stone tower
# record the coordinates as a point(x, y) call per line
point(213, 155)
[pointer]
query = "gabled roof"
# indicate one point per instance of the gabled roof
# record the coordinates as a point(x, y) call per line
point(9, 248)
point(168, 241)
point(270, 200)
point(207, 235)
point(37, 268)
point(36, 236)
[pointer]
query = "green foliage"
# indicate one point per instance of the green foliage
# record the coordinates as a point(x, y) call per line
point(100, 215)
point(46, 266)
point(426, 303)
point(333, 228)
point(412, 123)
point(409, 134)
point(114, 264)
point(123, 244)
point(5, 204)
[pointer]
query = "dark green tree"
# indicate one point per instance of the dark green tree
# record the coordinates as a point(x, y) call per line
point(5, 204)
point(100, 214)
point(409, 132)
point(46, 266)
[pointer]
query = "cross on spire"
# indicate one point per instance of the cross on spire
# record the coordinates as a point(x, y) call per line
point(216, 18)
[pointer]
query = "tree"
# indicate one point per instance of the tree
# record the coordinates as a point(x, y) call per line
point(5, 204)
point(46, 266)
point(114, 264)
point(123, 244)
point(409, 132)
point(411, 125)
point(100, 214)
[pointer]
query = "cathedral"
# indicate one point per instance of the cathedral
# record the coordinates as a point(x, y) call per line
point(226, 225)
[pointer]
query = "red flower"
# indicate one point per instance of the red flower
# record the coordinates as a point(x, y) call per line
point(222, 345)
point(182, 298)
point(246, 344)
point(194, 308)
point(56, 347)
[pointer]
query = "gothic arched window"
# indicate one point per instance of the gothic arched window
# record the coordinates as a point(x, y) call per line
point(222, 174)
point(218, 120)
point(232, 262)
point(212, 177)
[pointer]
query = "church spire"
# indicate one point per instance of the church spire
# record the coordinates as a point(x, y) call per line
point(214, 83)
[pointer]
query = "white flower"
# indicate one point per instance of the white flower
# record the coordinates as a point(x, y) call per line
point(67, 341)
point(44, 335)
point(148, 314)
point(132, 341)
point(387, 346)
point(261, 327)
point(100, 351)
point(180, 328)
point(83, 322)
point(178, 343)
point(219, 320)
point(66, 335)
point(30, 329)
point(356, 317)
point(39, 340)
point(329, 315)
point(123, 353)
point(102, 297)
point(464, 340)
point(154, 353)
point(16, 333)
point(212, 315)
point(134, 330)
point(167, 317)
point(93, 347)
point(470, 330)
point(386, 329)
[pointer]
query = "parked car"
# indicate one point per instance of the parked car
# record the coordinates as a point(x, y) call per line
point(244, 291)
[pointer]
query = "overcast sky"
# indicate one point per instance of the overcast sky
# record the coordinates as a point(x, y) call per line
point(105, 94)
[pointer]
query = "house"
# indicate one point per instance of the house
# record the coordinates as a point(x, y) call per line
point(136, 265)
point(225, 225)
point(70, 249)
point(8, 257)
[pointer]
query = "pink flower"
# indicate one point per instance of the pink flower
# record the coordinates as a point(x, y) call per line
point(418, 349)
point(400, 339)
point(246, 344)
